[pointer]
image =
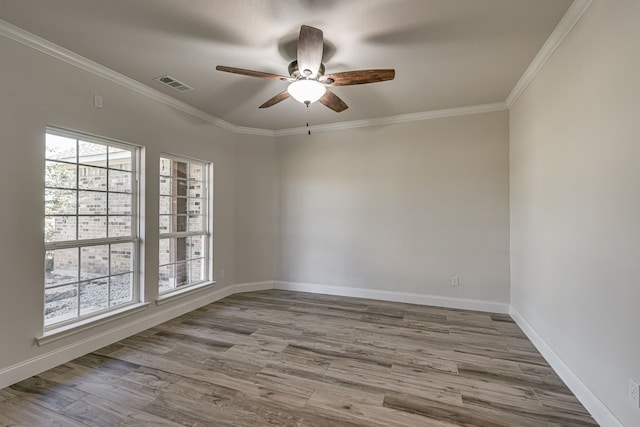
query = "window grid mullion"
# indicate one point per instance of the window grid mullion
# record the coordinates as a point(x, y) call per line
point(77, 284)
point(107, 196)
point(182, 234)
point(78, 196)
point(109, 274)
point(89, 242)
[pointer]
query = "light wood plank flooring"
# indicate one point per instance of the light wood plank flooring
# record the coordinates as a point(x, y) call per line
point(296, 359)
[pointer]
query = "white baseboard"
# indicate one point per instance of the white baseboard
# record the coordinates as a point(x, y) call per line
point(438, 301)
point(239, 288)
point(51, 359)
point(596, 408)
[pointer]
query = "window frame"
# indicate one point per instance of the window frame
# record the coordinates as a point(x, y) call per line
point(206, 232)
point(79, 243)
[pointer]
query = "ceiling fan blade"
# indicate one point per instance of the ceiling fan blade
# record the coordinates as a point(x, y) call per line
point(331, 100)
point(278, 98)
point(251, 73)
point(310, 46)
point(359, 77)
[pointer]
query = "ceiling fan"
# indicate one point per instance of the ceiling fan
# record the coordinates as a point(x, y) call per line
point(308, 83)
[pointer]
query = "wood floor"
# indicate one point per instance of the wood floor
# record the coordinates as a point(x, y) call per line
point(296, 359)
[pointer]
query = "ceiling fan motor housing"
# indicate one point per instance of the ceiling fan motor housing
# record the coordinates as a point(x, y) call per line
point(294, 71)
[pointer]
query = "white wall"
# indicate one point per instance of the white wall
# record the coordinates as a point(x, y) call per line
point(255, 209)
point(399, 208)
point(37, 90)
point(575, 203)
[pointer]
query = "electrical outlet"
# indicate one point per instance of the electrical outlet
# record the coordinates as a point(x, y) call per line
point(634, 392)
point(455, 281)
point(222, 274)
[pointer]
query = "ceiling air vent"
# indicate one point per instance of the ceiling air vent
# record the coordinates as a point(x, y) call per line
point(171, 82)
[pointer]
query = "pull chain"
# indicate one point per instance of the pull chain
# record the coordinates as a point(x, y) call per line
point(308, 128)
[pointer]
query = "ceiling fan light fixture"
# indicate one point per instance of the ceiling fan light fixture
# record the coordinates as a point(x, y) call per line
point(309, 83)
point(306, 91)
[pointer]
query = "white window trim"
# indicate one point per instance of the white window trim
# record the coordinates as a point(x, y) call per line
point(65, 328)
point(55, 334)
point(182, 292)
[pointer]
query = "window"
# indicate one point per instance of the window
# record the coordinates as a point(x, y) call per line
point(184, 223)
point(90, 227)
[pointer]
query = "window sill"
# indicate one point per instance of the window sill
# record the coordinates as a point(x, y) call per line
point(56, 334)
point(163, 299)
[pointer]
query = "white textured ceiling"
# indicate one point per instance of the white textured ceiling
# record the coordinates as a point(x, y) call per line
point(446, 53)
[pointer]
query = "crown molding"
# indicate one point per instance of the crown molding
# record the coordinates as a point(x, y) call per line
point(42, 45)
point(402, 118)
point(570, 18)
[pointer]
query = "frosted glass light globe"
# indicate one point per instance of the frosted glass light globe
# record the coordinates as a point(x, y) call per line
point(306, 91)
